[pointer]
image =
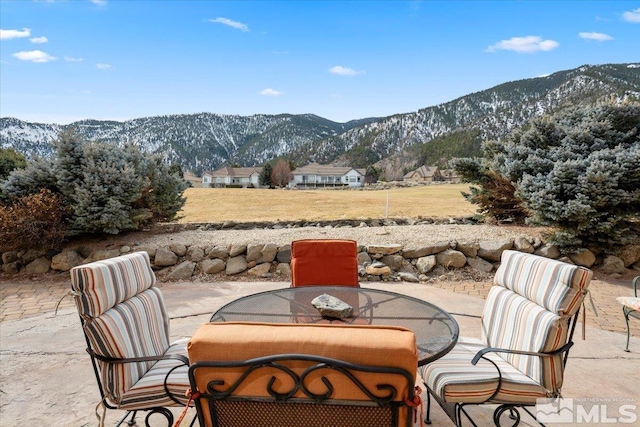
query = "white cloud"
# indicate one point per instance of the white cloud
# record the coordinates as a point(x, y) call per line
point(632, 16)
point(601, 37)
point(100, 66)
point(72, 59)
point(99, 3)
point(344, 71)
point(270, 92)
point(528, 44)
point(34, 56)
point(234, 24)
point(38, 40)
point(14, 34)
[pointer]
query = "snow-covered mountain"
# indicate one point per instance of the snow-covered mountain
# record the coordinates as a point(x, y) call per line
point(206, 141)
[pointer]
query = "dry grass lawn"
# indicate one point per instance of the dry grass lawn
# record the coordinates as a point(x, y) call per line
point(243, 205)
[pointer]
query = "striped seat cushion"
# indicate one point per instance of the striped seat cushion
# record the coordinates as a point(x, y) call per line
point(101, 285)
point(137, 327)
point(149, 390)
point(454, 379)
point(557, 286)
point(510, 321)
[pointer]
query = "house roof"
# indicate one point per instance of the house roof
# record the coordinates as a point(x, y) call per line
point(325, 170)
point(234, 172)
point(423, 171)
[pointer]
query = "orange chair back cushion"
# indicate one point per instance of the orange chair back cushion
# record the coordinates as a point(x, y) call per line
point(324, 262)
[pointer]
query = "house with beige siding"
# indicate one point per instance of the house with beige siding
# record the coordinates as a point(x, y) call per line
point(424, 174)
point(316, 175)
point(232, 177)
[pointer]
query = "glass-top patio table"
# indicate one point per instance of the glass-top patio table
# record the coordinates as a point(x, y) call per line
point(435, 330)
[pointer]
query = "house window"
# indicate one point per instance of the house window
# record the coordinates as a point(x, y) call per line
point(352, 179)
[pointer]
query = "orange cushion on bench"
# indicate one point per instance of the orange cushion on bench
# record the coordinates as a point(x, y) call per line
point(359, 344)
point(324, 262)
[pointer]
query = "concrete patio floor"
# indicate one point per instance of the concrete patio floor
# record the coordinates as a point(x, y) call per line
point(46, 377)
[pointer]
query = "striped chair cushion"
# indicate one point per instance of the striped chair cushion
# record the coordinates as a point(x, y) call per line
point(137, 327)
point(149, 390)
point(102, 284)
point(557, 286)
point(510, 321)
point(454, 379)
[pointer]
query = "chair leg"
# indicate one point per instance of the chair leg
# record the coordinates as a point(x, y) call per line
point(427, 419)
point(626, 318)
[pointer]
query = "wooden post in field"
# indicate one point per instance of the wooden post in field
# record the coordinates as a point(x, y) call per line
point(387, 211)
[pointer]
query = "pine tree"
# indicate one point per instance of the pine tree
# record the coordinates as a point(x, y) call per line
point(10, 160)
point(265, 176)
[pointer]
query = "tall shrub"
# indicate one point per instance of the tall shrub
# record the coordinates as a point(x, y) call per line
point(579, 172)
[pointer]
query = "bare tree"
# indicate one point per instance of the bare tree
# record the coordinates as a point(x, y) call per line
point(281, 174)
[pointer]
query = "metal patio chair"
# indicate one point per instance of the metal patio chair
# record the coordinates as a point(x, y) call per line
point(630, 308)
point(126, 328)
point(528, 323)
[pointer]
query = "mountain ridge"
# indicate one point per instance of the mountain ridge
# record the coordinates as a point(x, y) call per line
point(206, 141)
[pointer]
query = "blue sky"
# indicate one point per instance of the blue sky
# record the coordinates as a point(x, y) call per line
point(63, 61)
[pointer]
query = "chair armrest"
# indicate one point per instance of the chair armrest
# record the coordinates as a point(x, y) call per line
point(105, 359)
point(180, 357)
point(484, 351)
point(635, 282)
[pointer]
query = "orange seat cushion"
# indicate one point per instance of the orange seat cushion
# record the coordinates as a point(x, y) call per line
point(324, 262)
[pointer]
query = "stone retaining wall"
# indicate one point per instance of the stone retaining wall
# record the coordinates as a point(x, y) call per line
point(376, 263)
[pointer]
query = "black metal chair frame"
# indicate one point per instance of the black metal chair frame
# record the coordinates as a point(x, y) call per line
point(630, 312)
point(217, 390)
point(456, 410)
point(132, 413)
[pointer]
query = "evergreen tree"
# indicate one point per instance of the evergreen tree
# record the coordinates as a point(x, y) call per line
point(371, 175)
point(579, 172)
point(265, 176)
point(39, 174)
point(10, 160)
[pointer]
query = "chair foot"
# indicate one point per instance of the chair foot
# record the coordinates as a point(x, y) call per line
point(627, 350)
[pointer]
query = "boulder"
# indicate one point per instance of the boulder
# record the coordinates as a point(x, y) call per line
point(38, 266)
point(212, 266)
point(237, 250)
point(236, 265)
point(125, 249)
point(630, 255)
point(260, 270)
point(364, 258)
point(548, 251)
point(228, 224)
point(11, 267)
point(586, 258)
point(85, 251)
point(283, 269)
point(426, 250)
point(219, 252)
point(165, 257)
point(195, 254)
point(480, 264)
point(99, 255)
point(491, 250)
point(469, 249)
point(330, 306)
point(254, 252)
point(66, 260)
point(30, 255)
point(182, 271)
point(408, 277)
point(178, 249)
point(150, 250)
point(612, 264)
point(451, 259)
point(425, 264)
point(378, 269)
point(384, 249)
point(394, 262)
point(9, 257)
point(284, 254)
point(522, 244)
point(269, 252)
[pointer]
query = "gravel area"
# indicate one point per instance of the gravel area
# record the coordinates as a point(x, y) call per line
point(407, 235)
